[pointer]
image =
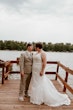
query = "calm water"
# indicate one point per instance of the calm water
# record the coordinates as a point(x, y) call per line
point(64, 57)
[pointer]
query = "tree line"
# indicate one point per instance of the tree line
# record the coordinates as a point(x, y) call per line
point(16, 45)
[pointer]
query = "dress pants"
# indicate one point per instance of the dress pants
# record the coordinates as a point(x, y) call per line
point(24, 84)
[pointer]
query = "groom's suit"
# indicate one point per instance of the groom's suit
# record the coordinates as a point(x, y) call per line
point(26, 68)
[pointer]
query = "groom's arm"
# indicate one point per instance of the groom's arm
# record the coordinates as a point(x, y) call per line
point(22, 64)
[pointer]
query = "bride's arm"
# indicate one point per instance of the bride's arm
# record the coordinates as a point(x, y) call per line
point(43, 56)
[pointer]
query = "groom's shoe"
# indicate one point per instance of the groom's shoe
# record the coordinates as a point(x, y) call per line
point(26, 95)
point(21, 98)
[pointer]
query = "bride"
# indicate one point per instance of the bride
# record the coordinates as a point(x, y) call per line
point(41, 89)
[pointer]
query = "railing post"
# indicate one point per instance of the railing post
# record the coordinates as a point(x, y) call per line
point(66, 79)
point(7, 69)
point(17, 61)
point(3, 75)
point(57, 71)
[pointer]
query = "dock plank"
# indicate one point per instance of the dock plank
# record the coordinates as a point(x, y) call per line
point(9, 98)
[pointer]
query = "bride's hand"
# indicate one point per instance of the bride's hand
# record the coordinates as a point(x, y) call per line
point(22, 74)
point(41, 73)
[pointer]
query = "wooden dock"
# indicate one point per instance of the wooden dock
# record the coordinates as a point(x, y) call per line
point(9, 89)
point(9, 98)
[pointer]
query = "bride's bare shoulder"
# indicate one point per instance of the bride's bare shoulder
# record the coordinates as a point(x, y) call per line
point(43, 53)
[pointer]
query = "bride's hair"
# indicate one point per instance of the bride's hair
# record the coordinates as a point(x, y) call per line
point(39, 45)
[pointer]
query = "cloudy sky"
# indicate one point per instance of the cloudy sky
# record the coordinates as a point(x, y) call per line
point(37, 20)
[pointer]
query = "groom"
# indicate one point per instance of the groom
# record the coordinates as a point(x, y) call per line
point(25, 71)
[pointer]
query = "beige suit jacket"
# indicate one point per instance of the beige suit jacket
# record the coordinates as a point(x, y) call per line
point(26, 62)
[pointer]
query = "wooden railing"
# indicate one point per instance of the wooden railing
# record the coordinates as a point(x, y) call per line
point(6, 67)
point(67, 72)
point(5, 70)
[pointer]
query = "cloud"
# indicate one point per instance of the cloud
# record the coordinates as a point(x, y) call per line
point(55, 7)
point(12, 2)
point(44, 20)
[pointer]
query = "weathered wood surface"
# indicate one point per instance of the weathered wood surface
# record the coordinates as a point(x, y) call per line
point(9, 98)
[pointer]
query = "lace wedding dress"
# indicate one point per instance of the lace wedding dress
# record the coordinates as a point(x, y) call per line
point(41, 89)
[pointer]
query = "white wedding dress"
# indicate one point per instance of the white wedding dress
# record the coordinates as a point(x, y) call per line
point(41, 89)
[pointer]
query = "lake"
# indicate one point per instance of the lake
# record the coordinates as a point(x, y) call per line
point(65, 58)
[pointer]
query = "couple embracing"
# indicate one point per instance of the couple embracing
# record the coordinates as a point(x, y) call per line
point(34, 83)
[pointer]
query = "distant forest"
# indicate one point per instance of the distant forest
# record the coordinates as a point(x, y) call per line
point(16, 45)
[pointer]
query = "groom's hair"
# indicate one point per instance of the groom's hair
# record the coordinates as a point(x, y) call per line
point(29, 44)
point(39, 45)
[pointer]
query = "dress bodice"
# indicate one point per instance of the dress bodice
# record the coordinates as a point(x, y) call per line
point(37, 58)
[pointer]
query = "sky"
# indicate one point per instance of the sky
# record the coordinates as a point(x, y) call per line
point(37, 20)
